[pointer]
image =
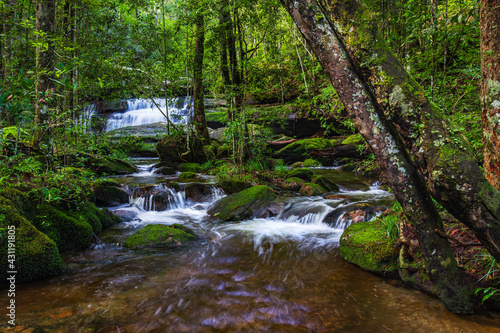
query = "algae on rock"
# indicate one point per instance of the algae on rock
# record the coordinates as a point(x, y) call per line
point(160, 236)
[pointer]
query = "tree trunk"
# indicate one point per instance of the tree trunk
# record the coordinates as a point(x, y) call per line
point(406, 132)
point(490, 88)
point(198, 96)
point(45, 57)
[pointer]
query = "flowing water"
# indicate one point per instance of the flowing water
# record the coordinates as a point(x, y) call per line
point(146, 111)
point(282, 274)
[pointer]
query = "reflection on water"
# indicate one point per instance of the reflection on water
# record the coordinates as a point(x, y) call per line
point(265, 275)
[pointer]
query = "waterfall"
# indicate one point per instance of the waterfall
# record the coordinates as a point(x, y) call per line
point(145, 111)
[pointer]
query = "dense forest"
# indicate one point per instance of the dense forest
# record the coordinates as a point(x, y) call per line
point(261, 96)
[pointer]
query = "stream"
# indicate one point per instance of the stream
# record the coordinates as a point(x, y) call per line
point(282, 274)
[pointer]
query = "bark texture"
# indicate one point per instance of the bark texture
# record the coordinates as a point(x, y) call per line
point(490, 88)
point(198, 95)
point(420, 154)
point(45, 58)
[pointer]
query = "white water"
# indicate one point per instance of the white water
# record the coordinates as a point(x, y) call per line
point(144, 111)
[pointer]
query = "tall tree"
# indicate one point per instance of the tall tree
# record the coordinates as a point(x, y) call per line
point(45, 58)
point(421, 155)
point(490, 88)
point(198, 95)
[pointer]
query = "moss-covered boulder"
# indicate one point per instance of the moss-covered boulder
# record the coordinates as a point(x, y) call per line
point(308, 163)
point(310, 189)
point(174, 150)
point(190, 167)
point(36, 255)
point(187, 175)
point(109, 194)
point(367, 245)
point(96, 217)
point(66, 231)
point(107, 165)
point(21, 202)
point(160, 236)
point(355, 139)
point(293, 183)
point(326, 183)
point(250, 203)
point(302, 173)
point(301, 149)
point(233, 186)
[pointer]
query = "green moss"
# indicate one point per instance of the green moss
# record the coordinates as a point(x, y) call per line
point(310, 189)
point(355, 139)
point(68, 232)
point(190, 167)
point(326, 183)
point(301, 149)
point(233, 186)
point(21, 202)
point(96, 217)
point(160, 236)
point(217, 116)
point(36, 255)
point(302, 173)
point(252, 202)
point(367, 245)
point(187, 175)
point(293, 183)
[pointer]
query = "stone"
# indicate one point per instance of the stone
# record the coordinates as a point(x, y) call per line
point(326, 183)
point(302, 173)
point(301, 149)
point(198, 192)
point(293, 183)
point(310, 189)
point(160, 236)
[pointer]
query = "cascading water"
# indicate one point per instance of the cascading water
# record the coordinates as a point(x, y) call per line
point(145, 111)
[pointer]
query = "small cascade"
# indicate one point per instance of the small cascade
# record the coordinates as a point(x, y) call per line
point(145, 111)
point(305, 212)
point(146, 171)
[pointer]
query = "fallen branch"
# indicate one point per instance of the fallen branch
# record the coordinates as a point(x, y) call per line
point(459, 242)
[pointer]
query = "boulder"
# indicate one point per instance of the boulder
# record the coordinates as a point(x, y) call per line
point(37, 256)
point(165, 170)
point(310, 189)
point(293, 183)
point(174, 150)
point(110, 194)
point(107, 165)
point(367, 245)
point(160, 236)
point(125, 215)
point(191, 167)
point(326, 183)
point(302, 173)
point(250, 203)
point(187, 175)
point(301, 149)
point(233, 186)
point(198, 192)
point(308, 163)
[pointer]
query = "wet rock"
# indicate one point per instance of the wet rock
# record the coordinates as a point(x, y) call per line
point(198, 192)
point(250, 203)
point(110, 194)
point(293, 183)
point(367, 245)
point(308, 163)
point(301, 149)
point(302, 173)
point(108, 165)
point(125, 215)
point(310, 189)
point(326, 183)
point(173, 151)
point(165, 170)
point(160, 236)
point(190, 167)
point(187, 175)
point(233, 186)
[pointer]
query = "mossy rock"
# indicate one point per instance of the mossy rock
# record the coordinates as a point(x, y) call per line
point(367, 245)
point(308, 163)
point(96, 217)
point(301, 149)
point(165, 170)
point(37, 256)
point(198, 192)
point(302, 173)
point(107, 165)
point(188, 175)
point(293, 183)
point(216, 116)
point(355, 139)
point(310, 189)
point(174, 186)
point(160, 236)
point(190, 167)
point(109, 194)
point(250, 203)
point(335, 142)
point(21, 202)
point(68, 232)
point(233, 186)
point(326, 183)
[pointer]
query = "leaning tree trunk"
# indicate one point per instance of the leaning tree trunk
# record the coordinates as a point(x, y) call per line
point(45, 57)
point(407, 133)
point(200, 122)
point(490, 88)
